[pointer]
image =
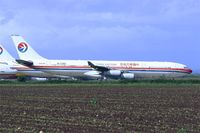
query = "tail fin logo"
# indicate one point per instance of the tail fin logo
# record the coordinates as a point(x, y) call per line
point(22, 47)
point(1, 50)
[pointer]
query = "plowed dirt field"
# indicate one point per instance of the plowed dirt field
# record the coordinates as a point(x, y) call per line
point(60, 109)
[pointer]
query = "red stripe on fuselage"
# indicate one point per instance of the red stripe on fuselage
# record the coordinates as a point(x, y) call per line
point(186, 70)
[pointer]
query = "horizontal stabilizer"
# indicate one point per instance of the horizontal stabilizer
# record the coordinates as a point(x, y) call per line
point(25, 63)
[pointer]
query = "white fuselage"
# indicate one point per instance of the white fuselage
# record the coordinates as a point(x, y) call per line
point(96, 69)
point(140, 69)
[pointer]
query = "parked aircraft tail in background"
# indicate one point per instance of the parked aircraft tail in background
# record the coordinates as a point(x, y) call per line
point(24, 50)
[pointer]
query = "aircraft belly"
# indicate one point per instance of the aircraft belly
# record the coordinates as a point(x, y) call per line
point(159, 74)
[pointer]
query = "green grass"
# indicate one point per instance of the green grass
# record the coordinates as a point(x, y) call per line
point(194, 81)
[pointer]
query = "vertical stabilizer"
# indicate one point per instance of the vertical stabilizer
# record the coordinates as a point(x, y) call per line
point(4, 55)
point(24, 50)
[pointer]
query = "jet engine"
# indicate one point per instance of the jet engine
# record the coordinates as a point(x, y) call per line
point(128, 75)
point(114, 73)
point(94, 74)
point(120, 74)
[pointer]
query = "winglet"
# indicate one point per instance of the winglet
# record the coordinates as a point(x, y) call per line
point(91, 64)
point(98, 68)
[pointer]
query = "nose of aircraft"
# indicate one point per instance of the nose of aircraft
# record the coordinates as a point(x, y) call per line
point(189, 70)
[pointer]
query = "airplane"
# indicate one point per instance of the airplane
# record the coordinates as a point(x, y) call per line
point(6, 72)
point(10, 68)
point(97, 69)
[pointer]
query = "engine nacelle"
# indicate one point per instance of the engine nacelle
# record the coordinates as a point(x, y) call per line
point(128, 75)
point(94, 74)
point(114, 73)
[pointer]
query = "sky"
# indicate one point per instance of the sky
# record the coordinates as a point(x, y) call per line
point(146, 30)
